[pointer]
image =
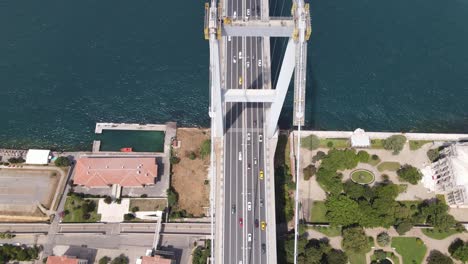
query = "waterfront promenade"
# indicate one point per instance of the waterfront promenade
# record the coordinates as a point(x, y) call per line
point(384, 135)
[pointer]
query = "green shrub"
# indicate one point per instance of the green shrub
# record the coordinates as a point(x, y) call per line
point(309, 171)
point(62, 162)
point(355, 240)
point(135, 209)
point(122, 259)
point(395, 143)
point(433, 154)
point(108, 200)
point(104, 260)
point(404, 227)
point(172, 197)
point(174, 160)
point(15, 160)
point(375, 157)
point(330, 144)
point(310, 142)
point(363, 156)
point(129, 217)
point(192, 155)
point(459, 250)
point(319, 156)
point(383, 239)
point(437, 257)
point(144, 195)
point(409, 174)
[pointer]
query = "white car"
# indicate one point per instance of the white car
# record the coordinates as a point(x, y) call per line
point(240, 155)
point(260, 138)
point(248, 11)
point(234, 59)
point(240, 55)
point(229, 38)
point(255, 161)
point(259, 63)
point(249, 237)
point(248, 136)
point(234, 15)
point(249, 206)
point(248, 64)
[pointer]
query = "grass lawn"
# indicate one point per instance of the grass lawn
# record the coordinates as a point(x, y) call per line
point(417, 144)
point(389, 166)
point(438, 235)
point(148, 204)
point(331, 231)
point(362, 176)
point(76, 214)
point(335, 143)
point(317, 213)
point(411, 249)
point(356, 258)
point(377, 143)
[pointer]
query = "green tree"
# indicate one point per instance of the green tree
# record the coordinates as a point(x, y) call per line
point(108, 200)
point(459, 250)
point(356, 191)
point(330, 180)
point(341, 210)
point(104, 260)
point(135, 209)
point(433, 154)
point(319, 156)
point(355, 240)
point(174, 160)
point(383, 239)
point(192, 155)
point(205, 148)
point(309, 171)
point(363, 156)
point(395, 143)
point(310, 142)
point(172, 197)
point(122, 259)
point(336, 257)
point(437, 257)
point(62, 162)
point(409, 174)
point(436, 214)
point(404, 227)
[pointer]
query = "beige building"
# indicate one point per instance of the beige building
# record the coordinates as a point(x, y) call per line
point(449, 174)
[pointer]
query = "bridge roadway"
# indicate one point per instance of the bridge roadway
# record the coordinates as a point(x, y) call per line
point(245, 201)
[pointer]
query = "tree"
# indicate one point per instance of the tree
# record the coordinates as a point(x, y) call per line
point(309, 171)
point(129, 217)
point(108, 200)
point(436, 214)
point(356, 191)
point(363, 156)
point(135, 209)
point(409, 174)
point(172, 197)
point(395, 143)
point(383, 239)
point(310, 142)
point(122, 259)
point(62, 162)
point(341, 210)
point(319, 156)
point(404, 227)
point(330, 181)
point(459, 250)
point(354, 239)
point(437, 257)
point(104, 260)
point(433, 154)
point(336, 257)
point(174, 160)
point(205, 148)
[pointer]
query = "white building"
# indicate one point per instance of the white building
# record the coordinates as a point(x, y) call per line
point(359, 139)
point(38, 156)
point(449, 175)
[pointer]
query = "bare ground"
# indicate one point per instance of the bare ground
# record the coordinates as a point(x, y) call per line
point(188, 178)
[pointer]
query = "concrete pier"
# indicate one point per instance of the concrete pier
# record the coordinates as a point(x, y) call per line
point(124, 126)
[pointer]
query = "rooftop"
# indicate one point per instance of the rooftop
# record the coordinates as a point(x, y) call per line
point(154, 260)
point(37, 156)
point(127, 172)
point(64, 260)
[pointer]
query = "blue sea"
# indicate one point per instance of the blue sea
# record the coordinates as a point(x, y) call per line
point(380, 65)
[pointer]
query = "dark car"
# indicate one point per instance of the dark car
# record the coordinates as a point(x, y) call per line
point(233, 209)
point(263, 248)
point(256, 223)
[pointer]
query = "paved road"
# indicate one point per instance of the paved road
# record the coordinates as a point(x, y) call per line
point(244, 150)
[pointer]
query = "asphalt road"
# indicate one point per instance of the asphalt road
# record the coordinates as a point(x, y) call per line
point(244, 150)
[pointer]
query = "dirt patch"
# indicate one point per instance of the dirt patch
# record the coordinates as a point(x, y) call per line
point(188, 178)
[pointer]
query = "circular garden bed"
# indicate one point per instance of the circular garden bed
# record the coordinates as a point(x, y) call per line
point(362, 176)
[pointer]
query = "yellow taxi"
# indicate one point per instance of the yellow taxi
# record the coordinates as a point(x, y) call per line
point(263, 225)
point(261, 175)
point(240, 80)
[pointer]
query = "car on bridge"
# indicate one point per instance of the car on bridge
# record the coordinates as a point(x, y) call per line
point(233, 209)
point(263, 225)
point(240, 80)
point(261, 176)
point(241, 222)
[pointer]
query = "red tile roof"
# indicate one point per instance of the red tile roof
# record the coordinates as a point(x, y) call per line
point(128, 172)
point(61, 260)
point(155, 260)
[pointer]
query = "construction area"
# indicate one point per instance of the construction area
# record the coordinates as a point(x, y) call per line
point(28, 194)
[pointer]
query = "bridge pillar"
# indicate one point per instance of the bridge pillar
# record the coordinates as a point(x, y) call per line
point(282, 85)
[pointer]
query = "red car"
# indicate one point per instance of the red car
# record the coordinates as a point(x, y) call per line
point(241, 222)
